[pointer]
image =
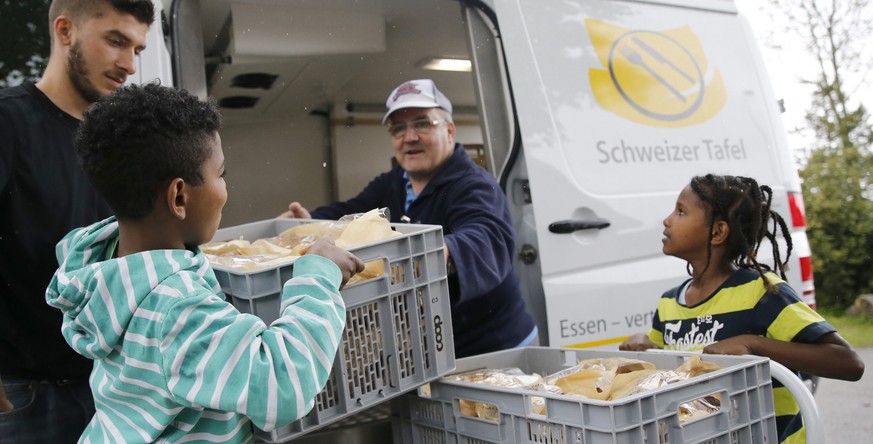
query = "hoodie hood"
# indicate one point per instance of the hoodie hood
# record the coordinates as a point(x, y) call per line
point(98, 297)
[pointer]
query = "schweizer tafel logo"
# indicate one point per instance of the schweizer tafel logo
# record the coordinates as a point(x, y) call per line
point(657, 78)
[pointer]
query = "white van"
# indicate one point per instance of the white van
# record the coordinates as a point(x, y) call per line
point(593, 114)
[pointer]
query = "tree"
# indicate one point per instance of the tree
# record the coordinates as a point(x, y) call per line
point(836, 177)
point(25, 37)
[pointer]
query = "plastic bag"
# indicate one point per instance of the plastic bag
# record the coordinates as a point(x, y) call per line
point(347, 232)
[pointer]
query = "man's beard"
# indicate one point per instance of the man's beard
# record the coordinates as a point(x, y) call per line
point(77, 70)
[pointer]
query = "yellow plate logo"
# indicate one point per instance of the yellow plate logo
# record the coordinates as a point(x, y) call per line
point(656, 78)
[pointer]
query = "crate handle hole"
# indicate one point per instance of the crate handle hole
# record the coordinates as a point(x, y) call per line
point(372, 269)
point(663, 432)
point(424, 391)
point(388, 359)
point(416, 268)
point(398, 273)
point(538, 406)
point(699, 408)
point(480, 410)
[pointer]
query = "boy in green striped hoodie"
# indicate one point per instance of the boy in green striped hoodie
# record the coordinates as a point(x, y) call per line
point(173, 360)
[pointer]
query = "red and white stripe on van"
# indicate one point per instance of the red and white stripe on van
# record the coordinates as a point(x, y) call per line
point(804, 253)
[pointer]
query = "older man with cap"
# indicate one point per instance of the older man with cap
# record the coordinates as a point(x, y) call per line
point(435, 182)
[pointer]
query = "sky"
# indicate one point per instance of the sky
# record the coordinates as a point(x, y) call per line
point(783, 66)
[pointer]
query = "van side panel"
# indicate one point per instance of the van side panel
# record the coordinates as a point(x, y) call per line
point(620, 104)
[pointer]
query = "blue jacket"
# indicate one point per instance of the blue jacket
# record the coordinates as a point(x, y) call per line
point(488, 312)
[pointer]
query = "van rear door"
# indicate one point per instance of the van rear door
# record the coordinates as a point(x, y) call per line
point(619, 104)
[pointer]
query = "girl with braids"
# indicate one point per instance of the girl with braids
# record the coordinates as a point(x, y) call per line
point(733, 304)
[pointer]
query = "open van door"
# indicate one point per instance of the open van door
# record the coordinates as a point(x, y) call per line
point(619, 104)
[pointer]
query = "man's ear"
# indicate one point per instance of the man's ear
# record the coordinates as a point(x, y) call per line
point(450, 126)
point(177, 198)
point(64, 29)
point(720, 232)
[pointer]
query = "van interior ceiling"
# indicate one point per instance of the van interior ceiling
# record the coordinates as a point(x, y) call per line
point(302, 87)
point(357, 58)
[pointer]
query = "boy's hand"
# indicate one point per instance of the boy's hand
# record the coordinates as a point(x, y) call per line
point(637, 342)
point(348, 263)
point(5, 405)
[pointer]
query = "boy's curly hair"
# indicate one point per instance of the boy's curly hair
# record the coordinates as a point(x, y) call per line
point(746, 207)
point(137, 139)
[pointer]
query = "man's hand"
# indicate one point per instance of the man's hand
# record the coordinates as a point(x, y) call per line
point(637, 342)
point(348, 263)
point(5, 405)
point(296, 211)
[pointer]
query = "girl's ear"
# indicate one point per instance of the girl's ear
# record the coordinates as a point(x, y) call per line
point(177, 198)
point(720, 232)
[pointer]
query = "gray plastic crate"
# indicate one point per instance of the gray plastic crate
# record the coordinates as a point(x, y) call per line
point(746, 414)
point(398, 332)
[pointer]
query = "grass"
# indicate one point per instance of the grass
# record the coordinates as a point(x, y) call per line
point(857, 330)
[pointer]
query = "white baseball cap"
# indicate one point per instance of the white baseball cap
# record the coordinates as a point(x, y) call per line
point(421, 93)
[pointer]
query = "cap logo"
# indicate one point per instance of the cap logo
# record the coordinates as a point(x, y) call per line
point(422, 94)
point(407, 88)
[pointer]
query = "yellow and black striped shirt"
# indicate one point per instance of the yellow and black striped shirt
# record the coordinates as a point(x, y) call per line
point(742, 306)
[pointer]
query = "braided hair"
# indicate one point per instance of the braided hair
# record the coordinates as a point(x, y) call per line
point(746, 207)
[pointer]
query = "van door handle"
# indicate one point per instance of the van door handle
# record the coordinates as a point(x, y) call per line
point(569, 226)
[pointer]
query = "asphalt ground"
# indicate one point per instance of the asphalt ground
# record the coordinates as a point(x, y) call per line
point(846, 408)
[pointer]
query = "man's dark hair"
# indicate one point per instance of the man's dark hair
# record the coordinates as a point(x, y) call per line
point(137, 139)
point(78, 10)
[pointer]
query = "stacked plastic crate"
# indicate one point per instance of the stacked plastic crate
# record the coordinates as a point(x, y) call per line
point(743, 386)
point(398, 333)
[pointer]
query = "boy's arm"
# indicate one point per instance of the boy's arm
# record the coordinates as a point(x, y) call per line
point(829, 357)
point(218, 358)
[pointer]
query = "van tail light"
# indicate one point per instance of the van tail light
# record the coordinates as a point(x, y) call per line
point(806, 268)
point(798, 211)
point(798, 221)
point(807, 285)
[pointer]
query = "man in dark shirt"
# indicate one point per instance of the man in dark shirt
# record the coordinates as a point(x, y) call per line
point(43, 195)
point(435, 182)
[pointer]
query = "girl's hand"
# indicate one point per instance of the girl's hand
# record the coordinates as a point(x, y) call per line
point(737, 345)
point(829, 357)
point(637, 342)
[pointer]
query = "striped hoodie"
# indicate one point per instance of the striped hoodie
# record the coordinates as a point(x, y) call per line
point(175, 362)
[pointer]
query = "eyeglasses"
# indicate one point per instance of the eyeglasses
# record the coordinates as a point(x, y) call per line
point(421, 126)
